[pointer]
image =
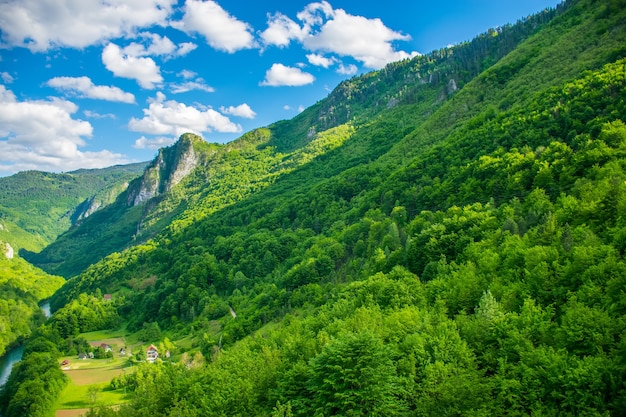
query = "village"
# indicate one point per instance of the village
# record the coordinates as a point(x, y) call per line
point(110, 354)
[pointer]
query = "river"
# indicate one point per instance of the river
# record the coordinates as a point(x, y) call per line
point(7, 361)
point(15, 355)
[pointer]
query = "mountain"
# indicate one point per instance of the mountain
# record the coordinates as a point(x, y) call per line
point(445, 236)
point(35, 207)
point(213, 176)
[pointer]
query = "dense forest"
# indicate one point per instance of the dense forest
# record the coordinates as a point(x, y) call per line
point(36, 207)
point(409, 246)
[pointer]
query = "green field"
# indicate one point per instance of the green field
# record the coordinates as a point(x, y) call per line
point(89, 378)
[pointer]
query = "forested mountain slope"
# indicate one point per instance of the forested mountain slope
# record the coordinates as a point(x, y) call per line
point(22, 286)
point(233, 172)
point(36, 207)
point(461, 253)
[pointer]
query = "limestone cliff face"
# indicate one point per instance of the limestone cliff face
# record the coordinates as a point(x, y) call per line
point(8, 251)
point(170, 166)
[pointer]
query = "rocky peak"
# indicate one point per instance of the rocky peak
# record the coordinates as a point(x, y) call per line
point(168, 168)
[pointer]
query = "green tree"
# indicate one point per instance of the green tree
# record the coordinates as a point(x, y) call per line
point(354, 376)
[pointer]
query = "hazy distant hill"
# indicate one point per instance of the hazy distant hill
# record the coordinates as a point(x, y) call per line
point(35, 207)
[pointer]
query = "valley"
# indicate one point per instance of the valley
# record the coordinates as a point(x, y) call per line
point(443, 236)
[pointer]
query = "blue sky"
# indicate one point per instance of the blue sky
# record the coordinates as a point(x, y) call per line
point(95, 83)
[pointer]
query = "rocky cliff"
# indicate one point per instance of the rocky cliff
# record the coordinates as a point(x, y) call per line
point(168, 168)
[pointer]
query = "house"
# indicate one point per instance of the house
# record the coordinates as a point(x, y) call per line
point(107, 297)
point(65, 362)
point(82, 355)
point(106, 347)
point(90, 354)
point(122, 351)
point(152, 353)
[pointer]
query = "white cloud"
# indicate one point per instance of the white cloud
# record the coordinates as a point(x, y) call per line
point(144, 70)
point(221, 30)
point(43, 135)
point(286, 107)
point(173, 118)
point(157, 45)
point(320, 60)
point(156, 143)
point(187, 74)
point(281, 75)
point(86, 88)
point(315, 14)
point(323, 29)
point(43, 24)
point(366, 40)
point(6, 77)
point(189, 85)
point(198, 84)
point(281, 30)
point(96, 115)
point(242, 110)
point(350, 69)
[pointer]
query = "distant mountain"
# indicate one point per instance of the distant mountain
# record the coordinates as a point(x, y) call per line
point(35, 207)
point(445, 236)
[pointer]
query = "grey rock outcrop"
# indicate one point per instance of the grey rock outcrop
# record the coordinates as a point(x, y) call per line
point(170, 166)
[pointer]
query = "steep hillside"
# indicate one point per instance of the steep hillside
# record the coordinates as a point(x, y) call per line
point(457, 253)
point(225, 174)
point(22, 287)
point(35, 207)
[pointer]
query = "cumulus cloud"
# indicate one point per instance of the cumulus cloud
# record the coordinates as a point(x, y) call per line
point(323, 29)
point(42, 134)
point(43, 24)
point(350, 69)
point(366, 40)
point(242, 110)
point(157, 45)
point(221, 30)
point(86, 88)
point(155, 143)
point(320, 60)
point(281, 30)
point(169, 117)
point(144, 70)
point(282, 75)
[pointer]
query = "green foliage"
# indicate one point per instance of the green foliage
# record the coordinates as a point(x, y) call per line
point(33, 386)
point(84, 314)
point(22, 287)
point(354, 376)
point(456, 254)
point(35, 207)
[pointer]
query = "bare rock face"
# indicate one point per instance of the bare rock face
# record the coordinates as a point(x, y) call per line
point(8, 251)
point(170, 166)
point(452, 87)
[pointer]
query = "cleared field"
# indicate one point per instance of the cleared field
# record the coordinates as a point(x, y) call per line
point(89, 377)
point(71, 413)
point(85, 375)
point(79, 397)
